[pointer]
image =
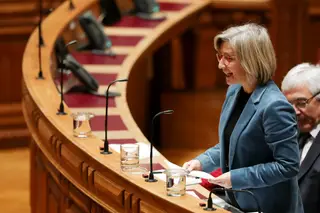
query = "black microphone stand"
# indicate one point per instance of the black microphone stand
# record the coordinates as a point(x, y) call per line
point(40, 41)
point(210, 203)
point(106, 143)
point(71, 5)
point(151, 178)
point(62, 66)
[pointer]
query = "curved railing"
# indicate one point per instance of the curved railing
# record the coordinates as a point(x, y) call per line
point(69, 173)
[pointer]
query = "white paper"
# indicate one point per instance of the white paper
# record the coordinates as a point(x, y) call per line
point(192, 193)
point(201, 174)
point(192, 181)
point(145, 151)
point(115, 147)
point(172, 165)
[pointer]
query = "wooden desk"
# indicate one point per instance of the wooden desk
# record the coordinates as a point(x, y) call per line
point(69, 174)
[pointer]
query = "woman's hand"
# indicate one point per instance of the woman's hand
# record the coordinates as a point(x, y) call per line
point(223, 180)
point(192, 165)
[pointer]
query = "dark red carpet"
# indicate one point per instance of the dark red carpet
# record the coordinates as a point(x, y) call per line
point(155, 166)
point(89, 58)
point(121, 141)
point(114, 123)
point(125, 40)
point(133, 21)
point(80, 100)
point(166, 6)
point(104, 79)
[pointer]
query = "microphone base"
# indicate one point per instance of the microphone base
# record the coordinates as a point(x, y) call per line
point(209, 209)
point(151, 180)
point(61, 113)
point(105, 153)
point(40, 76)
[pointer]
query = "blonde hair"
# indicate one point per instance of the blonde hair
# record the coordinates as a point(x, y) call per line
point(254, 50)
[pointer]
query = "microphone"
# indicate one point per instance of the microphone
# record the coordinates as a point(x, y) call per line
point(62, 66)
point(71, 5)
point(210, 203)
point(106, 143)
point(40, 41)
point(151, 178)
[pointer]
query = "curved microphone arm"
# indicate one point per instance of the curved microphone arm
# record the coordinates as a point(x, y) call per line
point(62, 66)
point(210, 203)
point(106, 143)
point(151, 176)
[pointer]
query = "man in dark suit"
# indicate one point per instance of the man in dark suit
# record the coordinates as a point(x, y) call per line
point(301, 86)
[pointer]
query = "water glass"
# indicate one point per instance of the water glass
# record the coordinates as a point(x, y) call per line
point(81, 124)
point(176, 182)
point(129, 154)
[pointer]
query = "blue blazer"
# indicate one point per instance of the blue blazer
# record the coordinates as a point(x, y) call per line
point(263, 151)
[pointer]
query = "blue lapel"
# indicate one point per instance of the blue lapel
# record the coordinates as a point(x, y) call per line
point(246, 115)
point(231, 102)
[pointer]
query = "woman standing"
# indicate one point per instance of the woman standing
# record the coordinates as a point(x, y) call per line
point(258, 148)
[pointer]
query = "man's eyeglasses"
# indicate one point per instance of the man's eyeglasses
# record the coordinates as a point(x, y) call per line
point(303, 103)
point(226, 58)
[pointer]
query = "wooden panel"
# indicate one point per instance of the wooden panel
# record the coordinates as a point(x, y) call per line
point(138, 93)
point(135, 204)
point(81, 200)
point(17, 20)
point(53, 172)
point(289, 34)
point(74, 209)
point(54, 197)
point(312, 40)
point(147, 208)
point(71, 160)
point(105, 187)
point(41, 186)
point(127, 202)
point(194, 123)
point(53, 206)
point(33, 175)
point(12, 125)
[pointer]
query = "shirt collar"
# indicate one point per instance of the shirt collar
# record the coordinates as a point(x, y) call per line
point(315, 131)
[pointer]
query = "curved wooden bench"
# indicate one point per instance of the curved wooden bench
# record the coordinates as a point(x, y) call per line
point(69, 174)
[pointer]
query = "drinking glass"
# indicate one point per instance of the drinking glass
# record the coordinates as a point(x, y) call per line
point(176, 182)
point(129, 154)
point(81, 124)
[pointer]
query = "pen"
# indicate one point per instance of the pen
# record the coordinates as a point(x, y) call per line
point(160, 171)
